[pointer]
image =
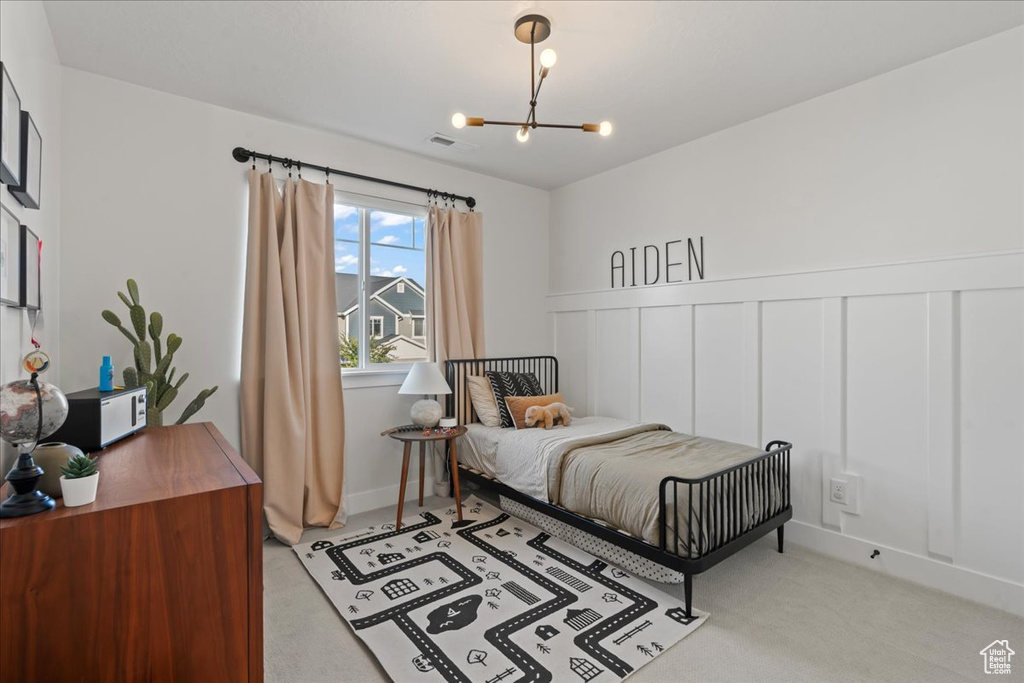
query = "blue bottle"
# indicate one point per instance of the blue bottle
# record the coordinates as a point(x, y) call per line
point(106, 375)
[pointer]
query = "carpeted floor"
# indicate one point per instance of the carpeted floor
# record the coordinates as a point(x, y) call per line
point(793, 617)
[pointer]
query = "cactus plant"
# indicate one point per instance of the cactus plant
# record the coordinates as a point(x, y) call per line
point(153, 358)
point(79, 466)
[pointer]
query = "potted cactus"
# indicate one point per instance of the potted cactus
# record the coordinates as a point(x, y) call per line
point(79, 480)
point(154, 360)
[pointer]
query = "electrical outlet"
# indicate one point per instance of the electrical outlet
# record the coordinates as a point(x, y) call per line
point(838, 491)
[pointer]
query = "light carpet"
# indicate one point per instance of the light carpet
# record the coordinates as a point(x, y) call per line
point(800, 616)
point(491, 599)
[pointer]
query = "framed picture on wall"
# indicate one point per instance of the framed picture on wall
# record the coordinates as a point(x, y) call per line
point(31, 256)
point(10, 258)
point(10, 130)
point(31, 164)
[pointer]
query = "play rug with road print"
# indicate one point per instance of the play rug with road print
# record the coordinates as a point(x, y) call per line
point(493, 600)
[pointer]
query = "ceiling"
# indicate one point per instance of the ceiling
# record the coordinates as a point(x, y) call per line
point(664, 73)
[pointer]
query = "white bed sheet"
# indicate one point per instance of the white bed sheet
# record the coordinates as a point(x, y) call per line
point(479, 447)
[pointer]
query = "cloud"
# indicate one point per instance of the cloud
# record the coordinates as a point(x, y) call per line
point(391, 272)
point(387, 239)
point(382, 219)
point(344, 261)
point(341, 211)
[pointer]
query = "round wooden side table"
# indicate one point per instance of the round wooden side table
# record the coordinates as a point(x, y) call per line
point(409, 434)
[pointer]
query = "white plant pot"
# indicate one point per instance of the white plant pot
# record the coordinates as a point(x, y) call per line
point(79, 491)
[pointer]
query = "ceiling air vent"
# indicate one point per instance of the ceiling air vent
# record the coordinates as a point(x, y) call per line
point(451, 143)
point(442, 140)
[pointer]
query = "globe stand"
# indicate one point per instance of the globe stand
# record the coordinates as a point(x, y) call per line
point(25, 500)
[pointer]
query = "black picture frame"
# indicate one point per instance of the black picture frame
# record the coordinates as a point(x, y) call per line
point(10, 258)
point(31, 164)
point(10, 130)
point(31, 267)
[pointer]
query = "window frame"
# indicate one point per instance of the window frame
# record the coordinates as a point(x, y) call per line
point(422, 319)
point(367, 204)
point(375, 319)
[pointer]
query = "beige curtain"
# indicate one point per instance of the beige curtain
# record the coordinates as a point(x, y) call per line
point(455, 298)
point(455, 284)
point(291, 401)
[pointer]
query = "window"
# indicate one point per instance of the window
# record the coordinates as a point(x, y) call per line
point(380, 271)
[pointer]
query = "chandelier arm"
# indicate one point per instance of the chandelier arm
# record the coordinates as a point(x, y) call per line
point(536, 93)
point(518, 124)
point(578, 126)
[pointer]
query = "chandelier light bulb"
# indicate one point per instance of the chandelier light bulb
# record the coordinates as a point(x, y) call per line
point(548, 58)
point(523, 134)
point(459, 120)
point(606, 128)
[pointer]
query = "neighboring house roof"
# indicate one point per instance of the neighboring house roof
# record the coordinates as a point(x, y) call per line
point(402, 337)
point(346, 287)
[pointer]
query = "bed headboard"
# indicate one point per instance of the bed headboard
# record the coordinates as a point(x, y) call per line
point(457, 403)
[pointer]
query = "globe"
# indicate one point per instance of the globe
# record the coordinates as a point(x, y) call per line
point(19, 412)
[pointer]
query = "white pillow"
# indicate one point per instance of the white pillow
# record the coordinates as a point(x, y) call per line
point(482, 395)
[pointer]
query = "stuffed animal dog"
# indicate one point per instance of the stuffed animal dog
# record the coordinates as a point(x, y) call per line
point(549, 415)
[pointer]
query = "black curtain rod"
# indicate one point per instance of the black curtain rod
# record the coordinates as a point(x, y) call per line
point(243, 155)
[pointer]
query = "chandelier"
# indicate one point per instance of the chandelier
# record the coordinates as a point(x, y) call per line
point(533, 29)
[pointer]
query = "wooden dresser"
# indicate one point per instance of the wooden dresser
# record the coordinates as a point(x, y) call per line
point(161, 579)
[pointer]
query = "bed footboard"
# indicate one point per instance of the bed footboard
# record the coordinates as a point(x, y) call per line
point(721, 508)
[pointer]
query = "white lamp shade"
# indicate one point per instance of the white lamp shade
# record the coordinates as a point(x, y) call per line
point(425, 378)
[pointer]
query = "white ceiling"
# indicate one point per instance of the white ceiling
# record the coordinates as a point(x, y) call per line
point(394, 72)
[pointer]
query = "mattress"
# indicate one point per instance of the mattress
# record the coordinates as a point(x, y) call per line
point(610, 470)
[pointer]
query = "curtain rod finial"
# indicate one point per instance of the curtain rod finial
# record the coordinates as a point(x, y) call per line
point(240, 154)
point(470, 202)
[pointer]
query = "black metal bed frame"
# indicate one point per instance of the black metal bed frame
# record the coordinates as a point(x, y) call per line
point(731, 508)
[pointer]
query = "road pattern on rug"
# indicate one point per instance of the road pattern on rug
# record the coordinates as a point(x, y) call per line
point(494, 600)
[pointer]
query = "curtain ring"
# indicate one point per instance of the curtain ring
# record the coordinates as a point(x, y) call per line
point(288, 165)
point(299, 163)
point(254, 161)
point(327, 171)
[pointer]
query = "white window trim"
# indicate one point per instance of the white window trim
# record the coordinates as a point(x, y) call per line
point(414, 319)
point(357, 378)
point(374, 318)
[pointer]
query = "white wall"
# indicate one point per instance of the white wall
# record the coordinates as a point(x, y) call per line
point(151, 192)
point(922, 162)
point(28, 52)
point(909, 375)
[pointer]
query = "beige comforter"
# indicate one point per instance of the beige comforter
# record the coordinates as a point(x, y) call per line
point(611, 470)
point(618, 482)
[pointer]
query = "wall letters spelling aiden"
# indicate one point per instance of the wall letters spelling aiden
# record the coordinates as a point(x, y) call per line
point(651, 259)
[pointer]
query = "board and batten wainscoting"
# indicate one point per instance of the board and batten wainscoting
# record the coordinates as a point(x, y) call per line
point(909, 375)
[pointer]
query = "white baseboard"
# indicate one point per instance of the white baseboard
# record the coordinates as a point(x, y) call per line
point(364, 501)
point(959, 581)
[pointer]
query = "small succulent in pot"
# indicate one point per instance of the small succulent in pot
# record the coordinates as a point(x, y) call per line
point(79, 481)
point(79, 467)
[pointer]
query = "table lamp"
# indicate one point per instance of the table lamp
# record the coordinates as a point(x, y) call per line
point(425, 378)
